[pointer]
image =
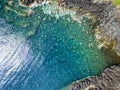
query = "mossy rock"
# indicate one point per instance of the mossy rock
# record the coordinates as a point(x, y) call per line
point(116, 2)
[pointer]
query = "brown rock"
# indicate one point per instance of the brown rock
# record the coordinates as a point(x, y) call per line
point(108, 80)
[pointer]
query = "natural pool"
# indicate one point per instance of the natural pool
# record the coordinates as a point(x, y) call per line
point(42, 52)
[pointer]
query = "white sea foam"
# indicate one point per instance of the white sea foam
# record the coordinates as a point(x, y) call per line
point(57, 11)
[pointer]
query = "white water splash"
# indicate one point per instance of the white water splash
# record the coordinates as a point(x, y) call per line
point(57, 11)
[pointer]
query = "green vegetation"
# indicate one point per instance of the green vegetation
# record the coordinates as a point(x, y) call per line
point(116, 2)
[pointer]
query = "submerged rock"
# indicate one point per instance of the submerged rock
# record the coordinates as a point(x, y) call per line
point(54, 44)
point(61, 49)
point(107, 16)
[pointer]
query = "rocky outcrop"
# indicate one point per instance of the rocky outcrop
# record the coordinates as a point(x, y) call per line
point(108, 80)
point(31, 3)
point(107, 16)
point(108, 21)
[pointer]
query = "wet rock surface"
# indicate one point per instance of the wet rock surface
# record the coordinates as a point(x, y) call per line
point(30, 2)
point(27, 2)
point(108, 80)
point(107, 16)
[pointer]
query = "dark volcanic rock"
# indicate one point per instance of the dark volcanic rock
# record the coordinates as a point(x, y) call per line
point(108, 80)
point(27, 2)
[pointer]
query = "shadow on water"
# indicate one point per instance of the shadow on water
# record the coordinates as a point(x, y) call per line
point(110, 55)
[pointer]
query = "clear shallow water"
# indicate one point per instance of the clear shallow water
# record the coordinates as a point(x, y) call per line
point(41, 52)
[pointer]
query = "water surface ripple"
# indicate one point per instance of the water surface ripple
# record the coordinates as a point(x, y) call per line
point(58, 52)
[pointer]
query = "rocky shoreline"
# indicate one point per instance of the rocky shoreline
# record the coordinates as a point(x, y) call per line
point(108, 21)
point(108, 80)
point(104, 11)
point(107, 16)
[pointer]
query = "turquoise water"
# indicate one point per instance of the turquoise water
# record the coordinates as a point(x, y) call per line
point(40, 52)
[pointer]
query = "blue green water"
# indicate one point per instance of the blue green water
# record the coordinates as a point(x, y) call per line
point(40, 52)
